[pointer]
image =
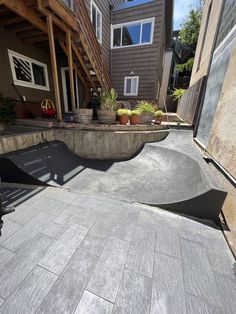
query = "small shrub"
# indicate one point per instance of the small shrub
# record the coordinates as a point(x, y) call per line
point(134, 113)
point(108, 100)
point(7, 112)
point(122, 112)
point(178, 92)
point(159, 113)
point(145, 107)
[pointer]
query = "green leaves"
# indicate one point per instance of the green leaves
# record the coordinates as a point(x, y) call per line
point(190, 28)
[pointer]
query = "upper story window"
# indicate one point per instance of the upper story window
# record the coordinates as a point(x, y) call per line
point(134, 33)
point(28, 72)
point(96, 18)
point(131, 85)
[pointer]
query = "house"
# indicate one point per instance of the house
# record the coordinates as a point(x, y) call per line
point(209, 103)
point(69, 50)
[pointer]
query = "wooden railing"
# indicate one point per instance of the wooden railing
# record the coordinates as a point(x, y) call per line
point(91, 45)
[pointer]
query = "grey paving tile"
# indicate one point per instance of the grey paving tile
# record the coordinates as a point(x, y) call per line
point(28, 231)
point(68, 215)
point(96, 238)
point(125, 227)
point(87, 217)
point(65, 294)
point(10, 227)
point(167, 240)
point(202, 285)
point(147, 219)
point(22, 264)
point(5, 257)
point(91, 304)
point(134, 295)
point(195, 305)
point(226, 288)
point(62, 250)
point(140, 259)
point(194, 256)
point(28, 296)
point(1, 302)
point(145, 237)
point(106, 277)
point(50, 206)
point(167, 291)
point(54, 230)
point(25, 215)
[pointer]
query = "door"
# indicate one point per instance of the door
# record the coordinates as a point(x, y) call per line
point(66, 89)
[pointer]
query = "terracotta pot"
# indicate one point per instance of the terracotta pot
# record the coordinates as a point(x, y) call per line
point(134, 119)
point(124, 119)
point(146, 118)
point(158, 120)
point(106, 116)
point(84, 116)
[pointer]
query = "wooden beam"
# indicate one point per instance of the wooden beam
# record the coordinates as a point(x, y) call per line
point(71, 70)
point(20, 27)
point(54, 66)
point(10, 20)
point(26, 13)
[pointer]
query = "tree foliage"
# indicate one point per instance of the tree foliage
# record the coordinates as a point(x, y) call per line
point(187, 66)
point(190, 28)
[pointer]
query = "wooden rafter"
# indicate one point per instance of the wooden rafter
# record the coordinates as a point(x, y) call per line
point(26, 13)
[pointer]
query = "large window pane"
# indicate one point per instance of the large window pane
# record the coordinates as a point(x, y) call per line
point(94, 19)
point(116, 37)
point(128, 86)
point(131, 35)
point(22, 70)
point(39, 74)
point(146, 33)
point(134, 86)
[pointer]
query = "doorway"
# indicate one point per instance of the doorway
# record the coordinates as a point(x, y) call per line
point(66, 89)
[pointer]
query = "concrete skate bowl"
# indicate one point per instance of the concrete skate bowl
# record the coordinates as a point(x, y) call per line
point(155, 176)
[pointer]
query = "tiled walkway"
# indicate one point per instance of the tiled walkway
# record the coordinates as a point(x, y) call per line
point(63, 252)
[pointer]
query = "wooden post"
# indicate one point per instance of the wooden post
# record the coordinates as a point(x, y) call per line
point(54, 66)
point(71, 72)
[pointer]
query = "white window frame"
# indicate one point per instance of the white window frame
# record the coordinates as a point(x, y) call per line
point(115, 26)
point(32, 84)
point(92, 3)
point(125, 86)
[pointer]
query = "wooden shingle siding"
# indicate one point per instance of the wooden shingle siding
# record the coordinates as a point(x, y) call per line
point(144, 61)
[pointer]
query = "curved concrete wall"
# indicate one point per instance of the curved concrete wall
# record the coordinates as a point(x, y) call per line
point(90, 144)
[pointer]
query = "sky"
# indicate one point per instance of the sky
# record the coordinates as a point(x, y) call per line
point(181, 10)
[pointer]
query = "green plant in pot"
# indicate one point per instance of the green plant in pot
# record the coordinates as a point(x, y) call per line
point(7, 113)
point(84, 115)
point(146, 110)
point(134, 117)
point(159, 114)
point(123, 115)
point(108, 106)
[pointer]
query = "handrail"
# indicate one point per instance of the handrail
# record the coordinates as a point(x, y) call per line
point(91, 44)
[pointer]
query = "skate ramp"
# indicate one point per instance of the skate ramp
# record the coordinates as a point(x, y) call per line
point(156, 175)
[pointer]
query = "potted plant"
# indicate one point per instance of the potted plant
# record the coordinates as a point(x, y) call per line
point(159, 114)
point(7, 113)
point(146, 110)
point(84, 115)
point(107, 111)
point(123, 115)
point(134, 117)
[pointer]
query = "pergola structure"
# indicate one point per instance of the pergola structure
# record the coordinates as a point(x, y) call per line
point(42, 22)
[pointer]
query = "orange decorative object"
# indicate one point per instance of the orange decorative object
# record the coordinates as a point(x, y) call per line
point(48, 108)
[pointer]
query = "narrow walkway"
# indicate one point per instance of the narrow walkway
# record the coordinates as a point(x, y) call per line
point(64, 252)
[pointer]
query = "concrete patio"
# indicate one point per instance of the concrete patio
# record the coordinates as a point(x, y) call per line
point(65, 252)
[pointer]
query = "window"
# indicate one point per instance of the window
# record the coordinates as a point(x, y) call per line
point(96, 18)
point(70, 4)
point(131, 86)
point(133, 33)
point(28, 72)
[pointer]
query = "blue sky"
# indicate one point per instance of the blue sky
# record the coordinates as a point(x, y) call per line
point(181, 9)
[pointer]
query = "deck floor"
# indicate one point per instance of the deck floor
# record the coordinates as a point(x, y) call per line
point(64, 252)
